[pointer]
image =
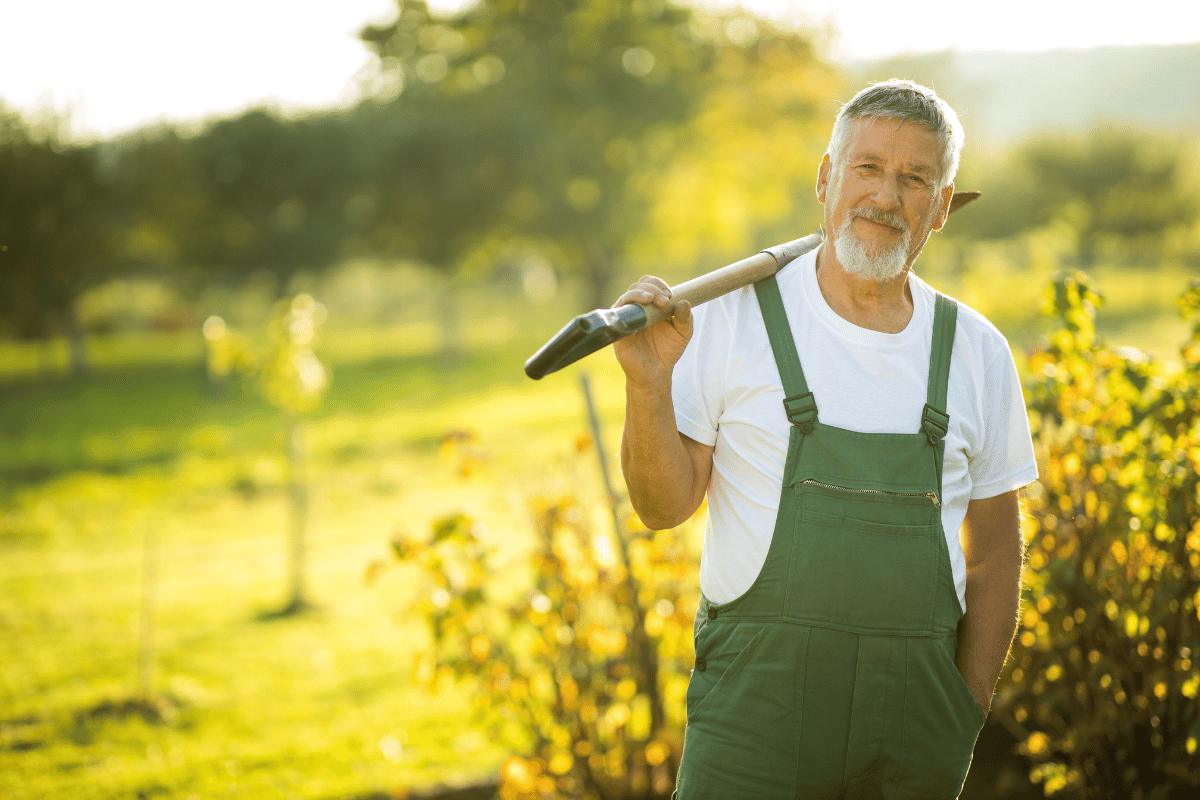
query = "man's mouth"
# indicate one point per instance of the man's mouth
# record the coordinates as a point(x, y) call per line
point(887, 225)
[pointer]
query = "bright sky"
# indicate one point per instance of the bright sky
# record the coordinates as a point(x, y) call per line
point(119, 64)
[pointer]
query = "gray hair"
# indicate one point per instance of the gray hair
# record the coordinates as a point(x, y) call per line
point(907, 102)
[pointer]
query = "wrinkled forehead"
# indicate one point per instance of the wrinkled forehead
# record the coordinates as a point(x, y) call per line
point(893, 141)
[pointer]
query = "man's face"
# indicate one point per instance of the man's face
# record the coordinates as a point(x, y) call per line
point(881, 197)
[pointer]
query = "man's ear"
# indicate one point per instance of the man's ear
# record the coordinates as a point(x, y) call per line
point(823, 177)
point(944, 209)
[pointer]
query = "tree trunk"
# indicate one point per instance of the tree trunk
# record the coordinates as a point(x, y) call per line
point(45, 339)
point(599, 275)
point(46, 355)
point(76, 345)
point(149, 590)
point(449, 324)
point(298, 495)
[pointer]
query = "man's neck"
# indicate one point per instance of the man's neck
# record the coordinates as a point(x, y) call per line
point(884, 306)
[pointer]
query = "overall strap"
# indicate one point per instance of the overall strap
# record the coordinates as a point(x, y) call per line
point(798, 401)
point(935, 422)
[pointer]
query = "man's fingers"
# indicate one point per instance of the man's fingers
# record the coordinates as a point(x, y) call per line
point(653, 281)
point(682, 319)
point(647, 291)
point(643, 297)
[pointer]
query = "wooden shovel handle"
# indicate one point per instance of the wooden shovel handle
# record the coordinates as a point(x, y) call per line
point(733, 276)
point(753, 269)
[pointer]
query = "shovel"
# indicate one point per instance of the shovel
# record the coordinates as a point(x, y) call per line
point(594, 330)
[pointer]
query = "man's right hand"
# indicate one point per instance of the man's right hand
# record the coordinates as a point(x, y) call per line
point(666, 472)
point(649, 356)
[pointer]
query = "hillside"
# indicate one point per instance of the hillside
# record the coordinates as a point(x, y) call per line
point(1005, 96)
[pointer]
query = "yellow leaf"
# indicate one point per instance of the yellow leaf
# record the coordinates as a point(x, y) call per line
point(516, 772)
point(617, 715)
point(656, 753)
point(561, 763)
point(374, 570)
point(1037, 743)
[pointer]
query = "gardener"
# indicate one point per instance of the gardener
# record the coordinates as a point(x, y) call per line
point(845, 421)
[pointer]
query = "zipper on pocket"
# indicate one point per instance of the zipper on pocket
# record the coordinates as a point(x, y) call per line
point(933, 498)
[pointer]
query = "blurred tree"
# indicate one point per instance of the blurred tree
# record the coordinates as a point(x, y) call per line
point(274, 196)
point(1104, 682)
point(435, 187)
point(156, 174)
point(293, 380)
point(245, 197)
point(1115, 188)
point(58, 233)
point(744, 171)
point(595, 100)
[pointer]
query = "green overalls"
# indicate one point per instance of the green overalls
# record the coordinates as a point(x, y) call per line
point(833, 676)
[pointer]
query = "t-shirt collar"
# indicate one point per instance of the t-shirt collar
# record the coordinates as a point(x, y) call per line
point(847, 330)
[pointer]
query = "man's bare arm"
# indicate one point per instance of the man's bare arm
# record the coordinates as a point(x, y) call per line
point(995, 552)
point(666, 472)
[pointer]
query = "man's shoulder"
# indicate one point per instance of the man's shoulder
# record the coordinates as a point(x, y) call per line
point(974, 328)
point(730, 309)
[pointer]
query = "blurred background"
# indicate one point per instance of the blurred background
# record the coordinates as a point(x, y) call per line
point(280, 514)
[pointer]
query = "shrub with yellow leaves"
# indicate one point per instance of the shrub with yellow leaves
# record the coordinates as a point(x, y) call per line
point(583, 665)
point(1103, 680)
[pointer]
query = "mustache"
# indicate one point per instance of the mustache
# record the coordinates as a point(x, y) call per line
point(883, 218)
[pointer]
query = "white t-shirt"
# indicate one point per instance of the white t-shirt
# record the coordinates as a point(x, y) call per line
point(727, 393)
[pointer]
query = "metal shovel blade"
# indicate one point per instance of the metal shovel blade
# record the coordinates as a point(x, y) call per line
point(584, 335)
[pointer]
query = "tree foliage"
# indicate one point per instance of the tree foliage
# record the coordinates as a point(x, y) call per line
point(587, 105)
point(58, 230)
point(577, 652)
point(248, 195)
point(1105, 676)
point(1116, 191)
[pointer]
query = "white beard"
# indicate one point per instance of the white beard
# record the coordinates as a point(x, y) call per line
point(858, 258)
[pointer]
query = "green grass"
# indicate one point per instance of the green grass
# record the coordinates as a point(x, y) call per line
point(319, 705)
point(312, 706)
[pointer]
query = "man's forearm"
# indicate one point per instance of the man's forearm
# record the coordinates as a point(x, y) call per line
point(993, 603)
point(995, 552)
point(662, 476)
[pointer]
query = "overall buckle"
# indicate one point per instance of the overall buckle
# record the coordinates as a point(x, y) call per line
point(934, 423)
point(801, 411)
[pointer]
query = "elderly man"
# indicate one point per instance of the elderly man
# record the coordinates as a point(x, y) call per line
point(846, 421)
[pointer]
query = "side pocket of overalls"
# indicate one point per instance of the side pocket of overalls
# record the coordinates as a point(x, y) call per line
point(722, 650)
point(941, 720)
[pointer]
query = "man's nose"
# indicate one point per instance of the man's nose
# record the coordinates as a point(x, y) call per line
point(887, 193)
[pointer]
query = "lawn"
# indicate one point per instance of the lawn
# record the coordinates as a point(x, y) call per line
point(144, 457)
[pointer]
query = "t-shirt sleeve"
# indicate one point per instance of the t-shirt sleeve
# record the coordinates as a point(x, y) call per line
point(696, 383)
point(1006, 461)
